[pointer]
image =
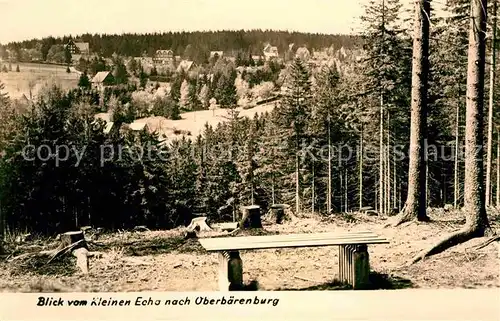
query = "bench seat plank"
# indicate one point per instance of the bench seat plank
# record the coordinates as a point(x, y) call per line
point(303, 236)
point(289, 241)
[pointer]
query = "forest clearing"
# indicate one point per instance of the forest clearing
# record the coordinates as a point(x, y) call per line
point(165, 261)
point(34, 76)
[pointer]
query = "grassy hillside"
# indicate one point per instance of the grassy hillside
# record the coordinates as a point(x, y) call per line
point(36, 76)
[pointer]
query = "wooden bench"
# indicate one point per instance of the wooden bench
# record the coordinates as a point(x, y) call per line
point(354, 266)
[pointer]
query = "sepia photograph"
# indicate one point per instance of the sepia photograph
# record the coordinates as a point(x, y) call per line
point(213, 146)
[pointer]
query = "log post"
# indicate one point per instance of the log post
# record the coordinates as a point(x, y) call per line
point(250, 217)
point(361, 269)
point(230, 271)
point(343, 252)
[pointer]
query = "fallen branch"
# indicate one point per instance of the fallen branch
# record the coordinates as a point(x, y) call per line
point(487, 242)
point(65, 250)
point(94, 242)
point(233, 232)
point(21, 256)
point(460, 236)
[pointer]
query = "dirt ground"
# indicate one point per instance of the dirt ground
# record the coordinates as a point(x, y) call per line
point(164, 261)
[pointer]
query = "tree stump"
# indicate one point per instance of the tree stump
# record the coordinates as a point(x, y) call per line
point(69, 238)
point(278, 213)
point(250, 217)
point(75, 242)
point(198, 224)
point(86, 229)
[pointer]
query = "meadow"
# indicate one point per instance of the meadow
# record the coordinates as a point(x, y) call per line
point(34, 76)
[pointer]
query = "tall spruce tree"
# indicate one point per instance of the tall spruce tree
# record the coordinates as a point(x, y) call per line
point(477, 223)
point(296, 112)
point(386, 71)
point(415, 205)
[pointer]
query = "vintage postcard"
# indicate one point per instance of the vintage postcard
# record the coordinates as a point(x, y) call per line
point(179, 159)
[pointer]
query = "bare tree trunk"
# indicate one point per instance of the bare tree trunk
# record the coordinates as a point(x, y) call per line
point(329, 187)
point(313, 194)
point(427, 182)
point(477, 224)
point(415, 206)
point(381, 161)
point(498, 167)
point(399, 197)
point(346, 190)
point(341, 191)
point(2, 230)
point(272, 190)
point(490, 107)
point(361, 153)
point(297, 184)
point(395, 181)
point(455, 180)
point(388, 166)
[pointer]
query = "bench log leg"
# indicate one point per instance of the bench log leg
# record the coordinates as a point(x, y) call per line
point(361, 267)
point(350, 271)
point(343, 264)
point(354, 266)
point(341, 260)
point(230, 271)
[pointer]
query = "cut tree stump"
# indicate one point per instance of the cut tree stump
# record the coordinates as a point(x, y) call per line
point(69, 238)
point(198, 224)
point(250, 217)
point(74, 242)
point(84, 229)
point(278, 213)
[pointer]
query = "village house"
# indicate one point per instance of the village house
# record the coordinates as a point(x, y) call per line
point(136, 128)
point(78, 49)
point(146, 62)
point(186, 65)
point(163, 57)
point(109, 125)
point(103, 79)
point(270, 52)
point(139, 126)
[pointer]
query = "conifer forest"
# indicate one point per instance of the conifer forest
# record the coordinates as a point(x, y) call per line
point(395, 129)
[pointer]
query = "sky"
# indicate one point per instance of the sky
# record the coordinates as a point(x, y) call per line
point(27, 19)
